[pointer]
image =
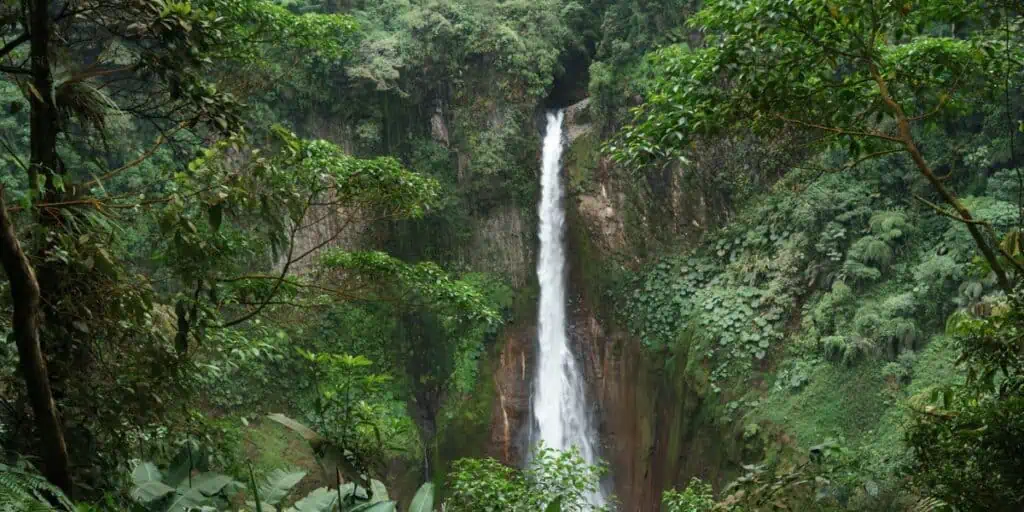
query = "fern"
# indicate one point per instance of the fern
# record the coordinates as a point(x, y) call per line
point(905, 333)
point(889, 225)
point(87, 103)
point(848, 349)
point(930, 505)
point(872, 249)
point(834, 347)
point(859, 272)
point(23, 491)
point(858, 348)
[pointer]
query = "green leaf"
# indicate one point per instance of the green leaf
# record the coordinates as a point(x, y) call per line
point(320, 500)
point(554, 506)
point(145, 472)
point(105, 264)
point(210, 483)
point(380, 492)
point(176, 474)
point(384, 506)
point(423, 501)
point(187, 501)
point(148, 492)
point(278, 484)
point(307, 433)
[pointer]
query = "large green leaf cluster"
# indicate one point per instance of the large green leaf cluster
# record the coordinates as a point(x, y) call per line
point(521, 40)
point(554, 481)
point(815, 65)
point(166, 256)
point(964, 439)
point(859, 269)
point(181, 489)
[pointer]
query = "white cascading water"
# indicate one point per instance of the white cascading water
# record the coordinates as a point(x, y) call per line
point(559, 404)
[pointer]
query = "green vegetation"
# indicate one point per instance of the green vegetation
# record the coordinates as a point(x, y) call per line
point(821, 308)
point(262, 254)
point(554, 481)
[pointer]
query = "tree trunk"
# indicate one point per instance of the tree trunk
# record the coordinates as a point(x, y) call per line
point(25, 290)
point(961, 210)
point(906, 138)
point(43, 118)
point(25, 296)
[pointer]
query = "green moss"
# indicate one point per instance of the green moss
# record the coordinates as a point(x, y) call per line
point(465, 426)
point(933, 366)
point(581, 162)
point(594, 273)
point(269, 445)
point(862, 407)
point(838, 402)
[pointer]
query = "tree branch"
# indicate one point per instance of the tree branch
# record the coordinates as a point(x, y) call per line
point(160, 140)
point(907, 140)
point(14, 70)
point(942, 211)
point(25, 295)
point(14, 43)
point(839, 131)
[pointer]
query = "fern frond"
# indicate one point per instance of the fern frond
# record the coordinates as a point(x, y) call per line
point(872, 250)
point(929, 505)
point(859, 348)
point(890, 225)
point(22, 491)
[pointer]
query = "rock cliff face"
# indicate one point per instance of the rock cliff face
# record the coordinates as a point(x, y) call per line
point(503, 244)
point(654, 425)
point(655, 430)
point(511, 420)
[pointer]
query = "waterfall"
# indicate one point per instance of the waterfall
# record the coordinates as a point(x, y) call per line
point(559, 403)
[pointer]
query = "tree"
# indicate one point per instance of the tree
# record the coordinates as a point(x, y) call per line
point(442, 324)
point(966, 441)
point(156, 63)
point(865, 73)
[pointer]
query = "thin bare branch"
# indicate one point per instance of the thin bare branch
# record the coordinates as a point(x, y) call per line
point(945, 213)
point(160, 140)
point(838, 131)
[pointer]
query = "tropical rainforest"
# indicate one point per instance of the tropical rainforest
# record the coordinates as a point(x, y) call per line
point(279, 254)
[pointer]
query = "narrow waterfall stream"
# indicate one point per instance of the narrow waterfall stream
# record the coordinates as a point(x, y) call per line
point(559, 400)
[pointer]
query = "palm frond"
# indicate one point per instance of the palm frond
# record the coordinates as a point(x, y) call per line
point(83, 101)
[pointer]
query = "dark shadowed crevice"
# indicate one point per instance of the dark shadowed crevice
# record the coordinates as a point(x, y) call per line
point(570, 86)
